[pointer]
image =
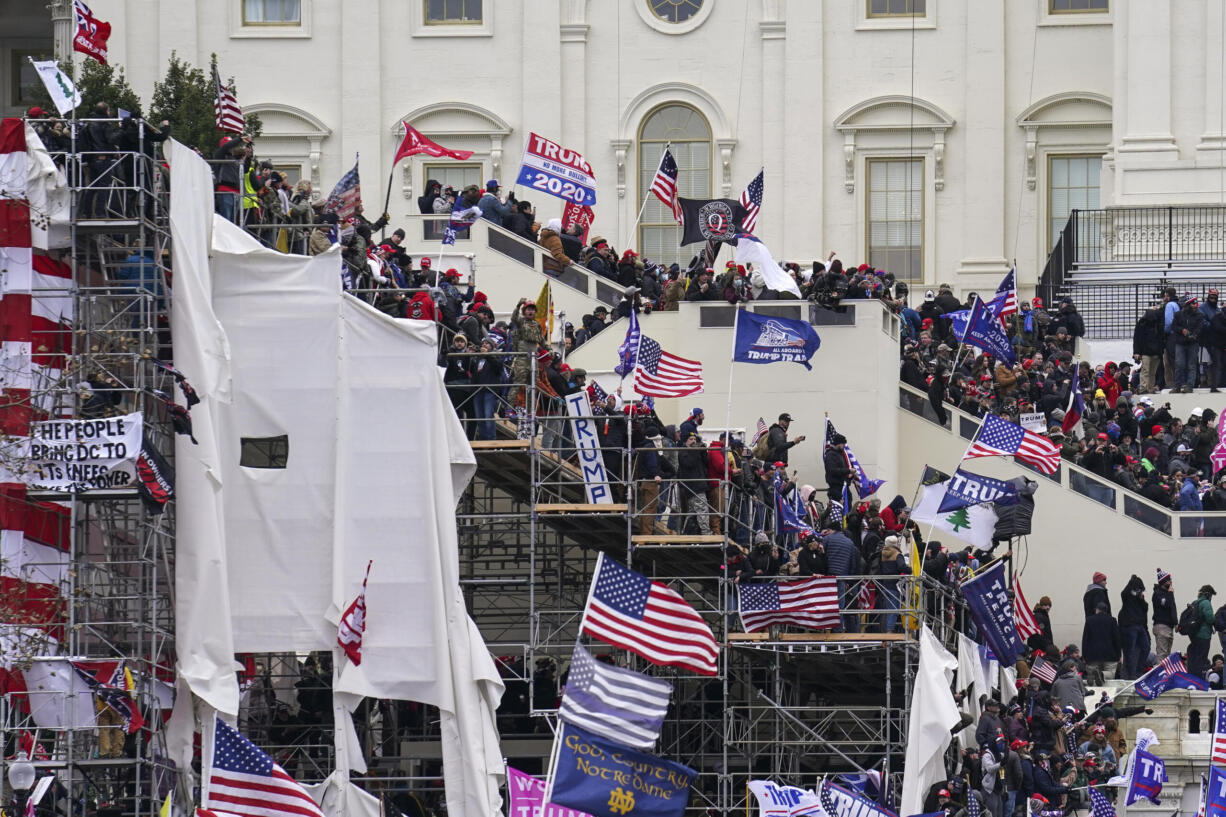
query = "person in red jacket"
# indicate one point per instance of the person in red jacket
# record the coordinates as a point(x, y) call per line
point(715, 487)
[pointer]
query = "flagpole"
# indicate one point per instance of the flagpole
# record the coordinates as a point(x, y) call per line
point(722, 493)
point(634, 229)
point(387, 199)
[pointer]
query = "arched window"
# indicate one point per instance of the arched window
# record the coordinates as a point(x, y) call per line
point(688, 136)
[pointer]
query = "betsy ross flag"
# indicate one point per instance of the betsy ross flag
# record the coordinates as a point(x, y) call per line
point(245, 781)
point(345, 197)
point(664, 184)
point(225, 107)
point(811, 603)
point(619, 704)
point(92, 33)
point(1100, 806)
point(1043, 669)
point(414, 143)
point(751, 200)
point(1023, 617)
point(1001, 438)
point(629, 610)
point(1217, 750)
point(353, 623)
point(660, 374)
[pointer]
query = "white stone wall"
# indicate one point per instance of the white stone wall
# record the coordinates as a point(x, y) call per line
point(810, 90)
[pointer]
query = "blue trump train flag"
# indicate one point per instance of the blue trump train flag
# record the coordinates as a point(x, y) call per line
point(606, 779)
point(763, 339)
point(987, 597)
point(1215, 794)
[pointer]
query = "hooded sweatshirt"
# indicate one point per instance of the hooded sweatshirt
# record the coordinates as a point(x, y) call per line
point(1134, 612)
point(1164, 606)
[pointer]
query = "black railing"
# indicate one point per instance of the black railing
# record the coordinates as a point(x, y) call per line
point(1059, 264)
point(1168, 237)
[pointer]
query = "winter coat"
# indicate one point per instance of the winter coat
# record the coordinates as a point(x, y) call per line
point(1165, 611)
point(837, 469)
point(1094, 594)
point(493, 209)
point(778, 444)
point(557, 260)
point(1100, 639)
point(1186, 326)
point(812, 562)
point(1069, 689)
point(1134, 610)
point(1149, 336)
point(842, 557)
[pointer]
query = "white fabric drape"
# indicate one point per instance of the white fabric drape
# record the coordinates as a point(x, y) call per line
point(933, 714)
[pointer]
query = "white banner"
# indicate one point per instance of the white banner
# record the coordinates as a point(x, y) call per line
point(588, 444)
point(84, 455)
point(1033, 421)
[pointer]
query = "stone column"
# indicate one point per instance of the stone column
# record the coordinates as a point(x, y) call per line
point(63, 27)
point(983, 233)
point(773, 29)
point(365, 132)
point(572, 85)
point(1213, 137)
point(1144, 43)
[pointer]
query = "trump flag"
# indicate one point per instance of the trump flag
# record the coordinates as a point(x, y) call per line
point(764, 339)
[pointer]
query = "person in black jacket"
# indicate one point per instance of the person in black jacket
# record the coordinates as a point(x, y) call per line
point(811, 560)
point(838, 470)
point(1095, 595)
point(1101, 645)
point(912, 372)
point(1186, 328)
point(937, 393)
point(651, 468)
point(778, 441)
point(425, 202)
point(520, 221)
point(571, 244)
point(1166, 614)
point(1134, 630)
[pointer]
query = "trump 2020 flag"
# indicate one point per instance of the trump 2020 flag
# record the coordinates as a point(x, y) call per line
point(966, 489)
point(607, 780)
point(1215, 796)
point(764, 339)
point(1148, 775)
point(775, 800)
point(1170, 673)
point(987, 597)
point(628, 352)
point(984, 332)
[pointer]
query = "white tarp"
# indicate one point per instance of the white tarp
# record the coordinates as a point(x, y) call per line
point(59, 697)
point(337, 379)
point(933, 714)
point(971, 675)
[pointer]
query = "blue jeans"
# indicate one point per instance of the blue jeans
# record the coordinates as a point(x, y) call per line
point(1010, 803)
point(485, 403)
point(226, 205)
point(887, 599)
point(1187, 357)
point(1136, 649)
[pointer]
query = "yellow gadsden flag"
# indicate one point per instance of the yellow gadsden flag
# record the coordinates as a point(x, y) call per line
point(544, 312)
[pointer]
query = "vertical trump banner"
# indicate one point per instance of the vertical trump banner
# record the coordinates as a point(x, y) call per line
point(583, 425)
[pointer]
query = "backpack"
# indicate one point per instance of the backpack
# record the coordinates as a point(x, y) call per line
point(1189, 620)
point(762, 448)
point(1219, 619)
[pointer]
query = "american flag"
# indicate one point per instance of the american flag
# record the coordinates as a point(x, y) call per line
point(751, 200)
point(1170, 665)
point(1043, 669)
point(660, 374)
point(759, 431)
point(619, 704)
point(344, 198)
point(1217, 751)
point(812, 603)
point(243, 780)
point(225, 107)
point(1000, 438)
point(827, 799)
point(353, 624)
point(599, 395)
point(1100, 806)
point(1023, 616)
point(664, 185)
point(972, 804)
point(628, 352)
point(1004, 303)
point(867, 597)
point(629, 610)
